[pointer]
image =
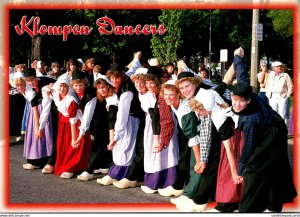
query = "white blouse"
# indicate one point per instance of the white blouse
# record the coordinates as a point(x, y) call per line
point(122, 114)
point(182, 110)
point(62, 106)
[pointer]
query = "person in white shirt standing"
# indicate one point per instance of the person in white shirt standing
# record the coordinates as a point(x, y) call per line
point(278, 90)
point(262, 78)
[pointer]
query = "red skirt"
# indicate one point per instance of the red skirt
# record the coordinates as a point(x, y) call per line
point(227, 191)
point(69, 159)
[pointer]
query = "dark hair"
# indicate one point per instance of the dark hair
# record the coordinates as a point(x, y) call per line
point(242, 90)
point(169, 64)
point(204, 70)
point(185, 75)
point(29, 72)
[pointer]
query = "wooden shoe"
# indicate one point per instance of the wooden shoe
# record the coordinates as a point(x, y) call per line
point(101, 171)
point(19, 139)
point(211, 210)
point(180, 199)
point(147, 190)
point(85, 176)
point(106, 180)
point(170, 191)
point(124, 183)
point(29, 166)
point(66, 175)
point(48, 169)
point(191, 206)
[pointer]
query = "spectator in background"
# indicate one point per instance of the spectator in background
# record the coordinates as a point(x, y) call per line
point(96, 72)
point(201, 66)
point(279, 89)
point(55, 71)
point(262, 78)
point(40, 69)
point(87, 68)
point(170, 72)
point(203, 72)
point(285, 69)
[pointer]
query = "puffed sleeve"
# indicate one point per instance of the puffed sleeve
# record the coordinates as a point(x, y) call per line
point(226, 130)
point(122, 114)
point(205, 128)
point(190, 128)
point(46, 105)
point(88, 113)
point(166, 122)
point(35, 101)
point(72, 111)
point(249, 127)
point(134, 66)
point(241, 72)
point(29, 93)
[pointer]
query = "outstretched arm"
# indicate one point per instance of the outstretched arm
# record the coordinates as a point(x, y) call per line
point(232, 162)
point(134, 64)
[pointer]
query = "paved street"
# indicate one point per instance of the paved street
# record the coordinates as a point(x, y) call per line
point(37, 189)
point(33, 187)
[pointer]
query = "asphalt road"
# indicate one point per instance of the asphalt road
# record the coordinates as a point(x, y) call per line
point(47, 191)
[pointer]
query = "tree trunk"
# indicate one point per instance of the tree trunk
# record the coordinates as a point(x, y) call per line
point(36, 48)
point(113, 58)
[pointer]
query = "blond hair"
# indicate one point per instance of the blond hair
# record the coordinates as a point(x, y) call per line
point(170, 87)
point(97, 68)
point(76, 81)
point(138, 77)
point(85, 67)
point(19, 66)
point(19, 82)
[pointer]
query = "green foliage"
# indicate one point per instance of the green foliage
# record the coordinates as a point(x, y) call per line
point(278, 36)
point(164, 47)
point(282, 22)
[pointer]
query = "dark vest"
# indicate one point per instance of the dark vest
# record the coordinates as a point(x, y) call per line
point(135, 106)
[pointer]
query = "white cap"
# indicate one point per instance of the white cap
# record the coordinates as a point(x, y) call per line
point(276, 63)
point(153, 62)
point(80, 61)
point(19, 75)
point(63, 80)
point(171, 82)
point(39, 64)
point(208, 98)
point(104, 77)
point(141, 70)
